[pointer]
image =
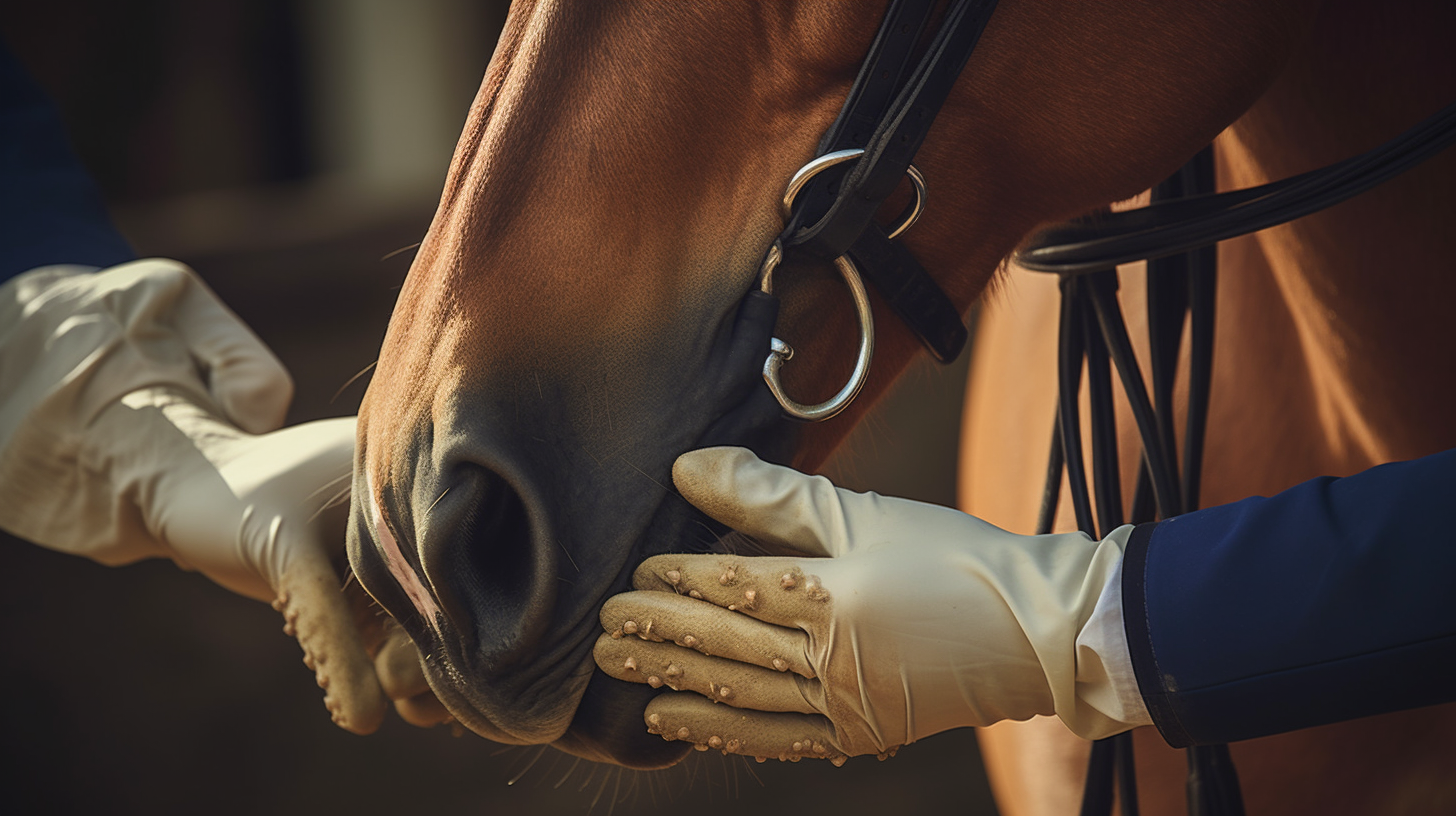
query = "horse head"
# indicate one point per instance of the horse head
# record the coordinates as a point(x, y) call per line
point(576, 316)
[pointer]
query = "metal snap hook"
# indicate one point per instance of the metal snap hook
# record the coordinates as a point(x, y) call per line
point(779, 351)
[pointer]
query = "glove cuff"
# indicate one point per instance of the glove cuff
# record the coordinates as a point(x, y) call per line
point(1107, 697)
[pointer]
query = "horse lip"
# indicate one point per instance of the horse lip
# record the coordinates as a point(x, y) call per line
point(518, 722)
point(543, 700)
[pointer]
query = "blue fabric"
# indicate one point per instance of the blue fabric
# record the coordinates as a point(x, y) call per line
point(50, 209)
point(1333, 600)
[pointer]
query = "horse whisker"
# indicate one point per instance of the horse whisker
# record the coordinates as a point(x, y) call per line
point(339, 498)
point(529, 765)
point(589, 778)
point(606, 777)
point(334, 501)
point(616, 790)
point(556, 760)
point(386, 256)
point(568, 557)
point(752, 772)
point(646, 476)
point(351, 380)
point(566, 775)
point(436, 501)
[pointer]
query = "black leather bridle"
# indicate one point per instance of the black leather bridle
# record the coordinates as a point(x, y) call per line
point(895, 98)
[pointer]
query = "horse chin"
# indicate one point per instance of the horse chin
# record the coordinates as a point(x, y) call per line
point(609, 726)
point(610, 722)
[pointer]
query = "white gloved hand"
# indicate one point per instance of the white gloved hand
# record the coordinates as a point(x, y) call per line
point(113, 445)
point(902, 620)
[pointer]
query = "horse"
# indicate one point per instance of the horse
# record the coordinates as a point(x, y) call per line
point(575, 318)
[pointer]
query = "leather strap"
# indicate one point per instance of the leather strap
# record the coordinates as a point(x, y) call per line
point(881, 75)
point(1167, 228)
point(888, 114)
point(899, 134)
point(910, 292)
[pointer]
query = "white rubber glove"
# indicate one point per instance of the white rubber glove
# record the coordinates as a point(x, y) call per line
point(902, 620)
point(113, 445)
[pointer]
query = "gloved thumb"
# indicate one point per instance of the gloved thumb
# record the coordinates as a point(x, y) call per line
point(769, 502)
point(317, 614)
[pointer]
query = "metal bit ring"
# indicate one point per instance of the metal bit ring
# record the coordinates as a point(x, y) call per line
point(906, 220)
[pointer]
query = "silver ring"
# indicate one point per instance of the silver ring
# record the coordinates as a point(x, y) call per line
point(781, 351)
point(907, 218)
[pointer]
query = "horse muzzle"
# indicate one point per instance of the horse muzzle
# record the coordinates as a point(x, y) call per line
point(503, 618)
point(494, 515)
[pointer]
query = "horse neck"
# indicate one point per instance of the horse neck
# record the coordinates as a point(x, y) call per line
point(1366, 284)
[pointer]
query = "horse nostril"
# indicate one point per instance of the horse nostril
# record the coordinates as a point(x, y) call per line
point(493, 578)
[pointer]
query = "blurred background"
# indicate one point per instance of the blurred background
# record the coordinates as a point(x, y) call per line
point(292, 152)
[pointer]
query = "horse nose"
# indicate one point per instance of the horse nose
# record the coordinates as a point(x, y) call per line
point(491, 569)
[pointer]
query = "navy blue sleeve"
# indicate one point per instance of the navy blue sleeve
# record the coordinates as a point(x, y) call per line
point(1333, 600)
point(50, 209)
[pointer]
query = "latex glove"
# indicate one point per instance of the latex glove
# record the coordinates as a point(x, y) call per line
point(902, 620)
point(113, 444)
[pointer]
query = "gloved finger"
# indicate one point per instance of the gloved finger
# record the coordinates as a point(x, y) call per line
point(317, 613)
point(765, 501)
point(719, 679)
point(423, 710)
point(398, 665)
point(376, 627)
point(760, 734)
point(396, 662)
point(403, 679)
point(244, 377)
point(770, 589)
point(710, 629)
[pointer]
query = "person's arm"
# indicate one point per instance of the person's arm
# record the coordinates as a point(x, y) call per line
point(140, 418)
point(1332, 600)
point(899, 619)
point(50, 209)
point(886, 621)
